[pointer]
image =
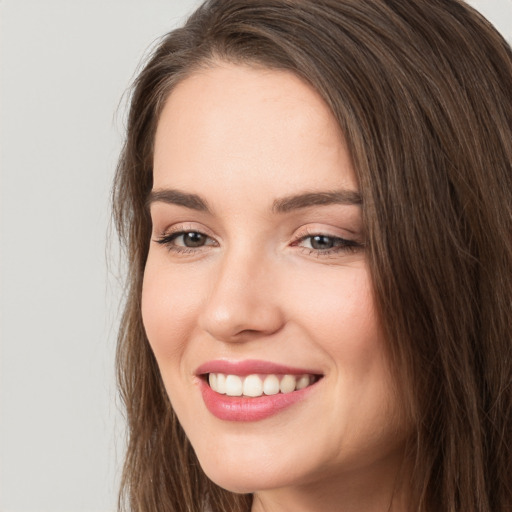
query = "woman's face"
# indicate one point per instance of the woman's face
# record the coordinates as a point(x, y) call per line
point(257, 279)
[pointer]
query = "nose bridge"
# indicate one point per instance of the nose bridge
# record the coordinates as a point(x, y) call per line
point(241, 303)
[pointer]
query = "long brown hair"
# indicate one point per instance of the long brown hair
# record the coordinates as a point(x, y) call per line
point(422, 90)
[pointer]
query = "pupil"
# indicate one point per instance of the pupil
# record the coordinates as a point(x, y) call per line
point(322, 242)
point(193, 239)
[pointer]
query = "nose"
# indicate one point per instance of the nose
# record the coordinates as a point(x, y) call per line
point(242, 302)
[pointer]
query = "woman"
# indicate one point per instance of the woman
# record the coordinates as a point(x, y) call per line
point(315, 198)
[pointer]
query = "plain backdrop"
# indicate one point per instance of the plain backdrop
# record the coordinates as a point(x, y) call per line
point(65, 65)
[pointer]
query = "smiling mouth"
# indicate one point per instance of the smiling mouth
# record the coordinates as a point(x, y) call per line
point(257, 385)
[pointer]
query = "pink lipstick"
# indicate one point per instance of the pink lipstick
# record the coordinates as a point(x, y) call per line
point(252, 390)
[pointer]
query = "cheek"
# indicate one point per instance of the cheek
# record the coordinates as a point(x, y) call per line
point(340, 319)
point(168, 309)
point(338, 311)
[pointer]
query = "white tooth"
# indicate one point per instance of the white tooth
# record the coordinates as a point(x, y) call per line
point(221, 384)
point(233, 385)
point(303, 382)
point(212, 379)
point(287, 384)
point(271, 385)
point(253, 386)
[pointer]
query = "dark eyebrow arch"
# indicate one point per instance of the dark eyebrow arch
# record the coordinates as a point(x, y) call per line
point(282, 205)
point(295, 202)
point(172, 196)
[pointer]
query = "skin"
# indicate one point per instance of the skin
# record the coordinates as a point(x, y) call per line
point(241, 138)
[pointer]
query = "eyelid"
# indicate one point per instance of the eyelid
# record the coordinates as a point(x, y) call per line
point(184, 227)
point(323, 230)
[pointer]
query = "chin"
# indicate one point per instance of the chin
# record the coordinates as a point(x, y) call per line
point(241, 470)
point(245, 480)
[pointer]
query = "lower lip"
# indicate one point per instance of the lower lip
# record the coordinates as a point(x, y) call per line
point(241, 408)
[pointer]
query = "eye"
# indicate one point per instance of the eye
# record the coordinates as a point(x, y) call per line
point(190, 239)
point(322, 242)
point(185, 241)
point(326, 245)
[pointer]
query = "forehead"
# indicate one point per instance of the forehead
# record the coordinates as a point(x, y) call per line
point(253, 126)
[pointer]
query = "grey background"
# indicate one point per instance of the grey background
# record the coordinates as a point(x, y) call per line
point(65, 65)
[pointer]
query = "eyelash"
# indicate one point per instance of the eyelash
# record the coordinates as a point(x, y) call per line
point(339, 244)
point(168, 239)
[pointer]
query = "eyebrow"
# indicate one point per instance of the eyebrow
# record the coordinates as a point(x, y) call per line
point(172, 196)
point(282, 205)
point(308, 199)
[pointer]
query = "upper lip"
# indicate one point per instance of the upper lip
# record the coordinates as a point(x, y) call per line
point(251, 366)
